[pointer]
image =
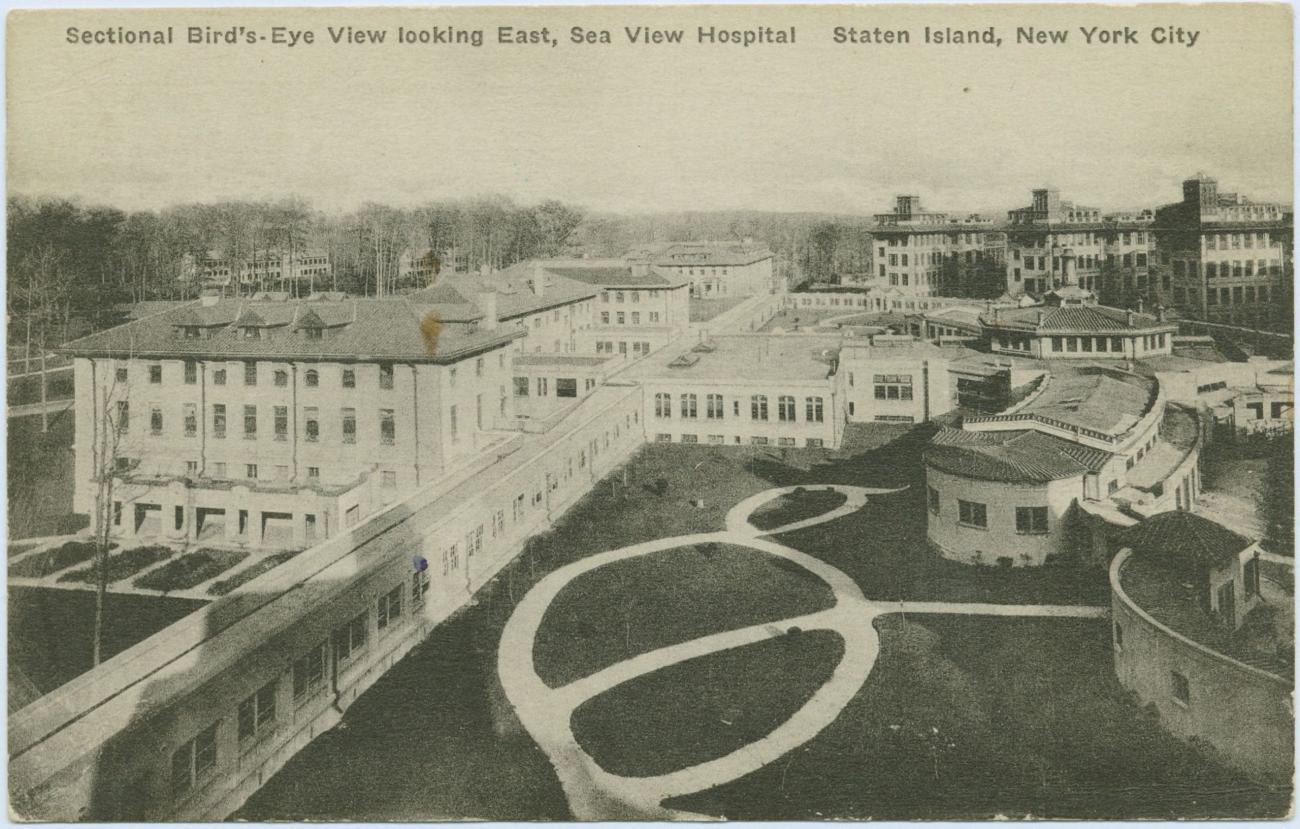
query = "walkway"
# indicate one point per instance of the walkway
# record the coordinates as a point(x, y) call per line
point(596, 794)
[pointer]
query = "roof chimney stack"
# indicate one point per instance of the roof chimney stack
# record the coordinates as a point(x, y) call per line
point(1129, 316)
point(539, 279)
point(487, 304)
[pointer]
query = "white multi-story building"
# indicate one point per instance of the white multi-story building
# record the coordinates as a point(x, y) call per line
point(264, 270)
point(922, 253)
point(282, 422)
point(714, 269)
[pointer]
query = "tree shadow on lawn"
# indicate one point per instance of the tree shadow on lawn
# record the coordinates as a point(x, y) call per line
point(968, 717)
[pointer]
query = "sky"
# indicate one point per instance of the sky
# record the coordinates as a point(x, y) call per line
point(816, 126)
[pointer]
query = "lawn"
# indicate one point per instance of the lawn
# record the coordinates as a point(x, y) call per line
point(706, 707)
point(264, 565)
point(121, 565)
point(51, 633)
point(967, 717)
point(40, 478)
point(703, 310)
point(631, 607)
point(796, 506)
point(191, 569)
point(53, 560)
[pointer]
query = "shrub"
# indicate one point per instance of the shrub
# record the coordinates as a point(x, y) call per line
point(1005, 561)
point(55, 559)
point(119, 566)
point(224, 586)
point(190, 569)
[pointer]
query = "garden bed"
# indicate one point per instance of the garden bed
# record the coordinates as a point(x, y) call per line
point(53, 560)
point(190, 569)
point(223, 586)
point(121, 565)
point(796, 506)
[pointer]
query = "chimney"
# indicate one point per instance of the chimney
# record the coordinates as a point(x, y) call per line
point(1160, 313)
point(487, 303)
point(539, 279)
point(1040, 318)
point(1129, 316)
point(1139, 305)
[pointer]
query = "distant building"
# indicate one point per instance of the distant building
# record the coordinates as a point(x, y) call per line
point(1203, 635)
point(1070, 324)
point(923, 253)
point(419, 266)
point(271, 269)
point(1227, 258)
point(714, 269)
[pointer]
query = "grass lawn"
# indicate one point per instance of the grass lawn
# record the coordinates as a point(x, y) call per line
point(54, 559)
point(123, 564)
point(796, 506)
point(51, 633)
point(223, 586)
point(703, 310)
point(40, 478)
point(706, 707)
point(191, 569)
point(965, 717)
point(631, 607)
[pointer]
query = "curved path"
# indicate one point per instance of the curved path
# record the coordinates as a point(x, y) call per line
point(737, 519)
point(596, 794)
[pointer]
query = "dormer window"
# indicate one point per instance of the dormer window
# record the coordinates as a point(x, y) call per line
point(190, 332)
point(314, 333)
point(252, 332)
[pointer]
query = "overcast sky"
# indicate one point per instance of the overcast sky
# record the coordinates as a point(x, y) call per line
point(814, 127)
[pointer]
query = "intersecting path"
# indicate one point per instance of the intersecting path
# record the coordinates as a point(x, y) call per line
point(596, 794)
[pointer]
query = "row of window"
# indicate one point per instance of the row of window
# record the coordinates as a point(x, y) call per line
point(715, 407)
point(622, 318)
point(1226, 241)
point(624, 296)
point(1238, 295)
point(755, 440)
point(280, 377)
point(1029, 520)
point(1150, 342)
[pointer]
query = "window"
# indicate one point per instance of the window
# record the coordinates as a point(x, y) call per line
point(309, 672)
point(812, 409)
point(478, 366)
point(390, 607)
point(219, 420)
point(257, 712)
point(1250, 575)
point(314, 332)
point(311, 424)
point(420, 584)
point(155, 374)
point(191, 372)
point(933, 499)
point(388, 428)
point(688, 406)
point(349, 378)
point(250, 471)
point(385, 375)
point(311, 378)
point(219, 377)
point(155, 421)
point(120, 375)
point(349, 417)
point(250, 422)
point(663, 405)
point(350, 638)
point(814, 443)
point(758, 407)
point(1031, 519)
point(250, 374)
point(785, 408)
point(521, 387)
point(1181, 688)
point(313, 473)
point(566, 387)
point(541, 387)
point(281, 377)
point(281, 422)
point(194, 759)
point(893, 386)
point(388, 479)
point(191, 418)
point(714, 406)
point(972, 514)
